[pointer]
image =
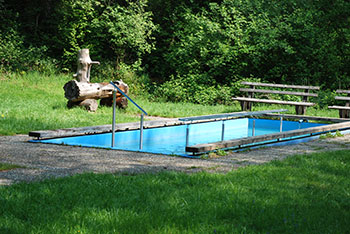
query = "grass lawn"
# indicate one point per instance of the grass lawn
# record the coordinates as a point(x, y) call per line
point(36, 102)
point(302, 194)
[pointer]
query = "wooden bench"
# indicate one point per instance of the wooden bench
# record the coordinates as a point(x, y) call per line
point(344, 111)
point(300, 107)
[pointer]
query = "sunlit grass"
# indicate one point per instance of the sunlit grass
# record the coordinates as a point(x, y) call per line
point(303, 194)
point(36, 102)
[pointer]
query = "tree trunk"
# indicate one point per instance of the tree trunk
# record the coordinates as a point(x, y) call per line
point(77, 91)
point(84, 66)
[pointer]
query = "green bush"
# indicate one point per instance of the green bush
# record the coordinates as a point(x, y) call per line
point(292, 42)
point(193, 50)
point(188, 89)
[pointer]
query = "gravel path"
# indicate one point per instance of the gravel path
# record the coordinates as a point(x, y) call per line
point(44, 161)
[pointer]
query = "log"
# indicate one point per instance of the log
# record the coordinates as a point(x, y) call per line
point(84, 66)
point(89, 104)
point(121, 102)
point(77, 91)
point(81, 92)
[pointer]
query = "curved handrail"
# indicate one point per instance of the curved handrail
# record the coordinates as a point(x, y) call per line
point(124, 94)
point(113, 120)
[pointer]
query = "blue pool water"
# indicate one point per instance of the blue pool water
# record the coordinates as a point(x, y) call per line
point(172, 140)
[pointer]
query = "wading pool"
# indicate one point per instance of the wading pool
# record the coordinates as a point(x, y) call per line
point(197, 138)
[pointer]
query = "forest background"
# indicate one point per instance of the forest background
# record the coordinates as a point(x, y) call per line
point(183, 51)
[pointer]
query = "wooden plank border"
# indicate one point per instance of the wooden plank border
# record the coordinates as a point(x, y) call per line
point(201, 148)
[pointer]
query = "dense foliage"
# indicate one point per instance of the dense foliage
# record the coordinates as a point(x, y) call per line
point(195, 51)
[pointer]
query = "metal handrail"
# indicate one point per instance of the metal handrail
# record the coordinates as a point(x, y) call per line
point(114, 115)
point(121, 91)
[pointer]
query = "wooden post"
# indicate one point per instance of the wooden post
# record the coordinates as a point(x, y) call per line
point(346, 113)
point(84, 66)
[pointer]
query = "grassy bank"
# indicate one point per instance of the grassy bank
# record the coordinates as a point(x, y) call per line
point(36, 102)
point(303, 194)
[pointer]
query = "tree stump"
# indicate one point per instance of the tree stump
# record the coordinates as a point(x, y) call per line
point(84, 66)
point(81, 92)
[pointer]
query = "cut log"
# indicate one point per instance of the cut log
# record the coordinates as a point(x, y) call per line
point(88, 104)
point(84, 66)
point(77, 91)
point(121, 102)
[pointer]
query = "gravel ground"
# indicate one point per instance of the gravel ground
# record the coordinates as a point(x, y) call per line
point(43, 161)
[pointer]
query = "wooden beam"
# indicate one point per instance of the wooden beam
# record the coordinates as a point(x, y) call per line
point(278, 92)
point(255, 139)
point(339, 107)
point(274, 101)
point(342, 98)
point(281, 85)
point(343, 91)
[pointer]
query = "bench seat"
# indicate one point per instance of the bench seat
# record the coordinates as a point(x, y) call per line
point(339, 107)
point(297, 90)
point(344, 111)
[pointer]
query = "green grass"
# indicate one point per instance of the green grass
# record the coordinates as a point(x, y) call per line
point(36, 102)
point(7, 166)
point(303, 194)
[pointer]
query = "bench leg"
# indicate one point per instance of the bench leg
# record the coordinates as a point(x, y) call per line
point(344, 113)
point(246, 106)
point(300, 110)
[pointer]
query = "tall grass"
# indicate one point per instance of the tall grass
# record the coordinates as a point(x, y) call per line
point(303, 194)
